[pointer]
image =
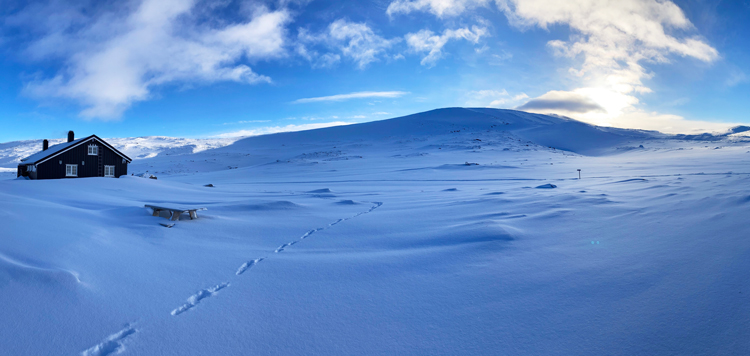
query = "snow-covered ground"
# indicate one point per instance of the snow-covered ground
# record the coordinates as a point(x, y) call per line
point(450, 232)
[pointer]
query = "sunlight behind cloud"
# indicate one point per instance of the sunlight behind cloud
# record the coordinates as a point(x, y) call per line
point(611, 39)
point(605, 107)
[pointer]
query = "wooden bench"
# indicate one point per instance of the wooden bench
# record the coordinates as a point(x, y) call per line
point(175, 212)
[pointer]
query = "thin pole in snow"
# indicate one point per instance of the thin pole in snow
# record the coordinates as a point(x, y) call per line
point(579, 174)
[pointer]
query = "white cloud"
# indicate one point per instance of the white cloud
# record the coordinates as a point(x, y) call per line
point(277, 129)
point(440, 8)
point(357, 95)
point(613, 36)
point(358, 41)
point(427, 41)
point(355, 41)
point(115, 60)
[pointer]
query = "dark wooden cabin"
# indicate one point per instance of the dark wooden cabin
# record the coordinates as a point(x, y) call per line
point(85, 157)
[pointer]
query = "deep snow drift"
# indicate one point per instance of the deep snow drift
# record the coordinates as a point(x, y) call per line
point(456, 231)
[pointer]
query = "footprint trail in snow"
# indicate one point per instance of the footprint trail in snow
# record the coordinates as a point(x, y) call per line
point(307, 234)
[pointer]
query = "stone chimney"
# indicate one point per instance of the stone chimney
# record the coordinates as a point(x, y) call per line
point(71, 136)
point(45, 145)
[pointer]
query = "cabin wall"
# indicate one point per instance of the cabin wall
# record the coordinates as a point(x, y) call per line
point(113, 159)
point(88, 166)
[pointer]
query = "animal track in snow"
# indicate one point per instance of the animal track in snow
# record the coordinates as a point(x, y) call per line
point(248, 265)
point(307, 234)
point(196, 298)
point(112, 345)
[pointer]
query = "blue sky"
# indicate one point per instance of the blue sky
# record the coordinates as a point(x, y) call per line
point(222, 68)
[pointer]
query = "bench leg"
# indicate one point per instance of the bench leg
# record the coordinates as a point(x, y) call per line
point(176, 215)
point(193, 214)
point(156, 212)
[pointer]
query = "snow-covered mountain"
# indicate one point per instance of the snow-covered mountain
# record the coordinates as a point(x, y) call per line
point(448, 129)
point(134, 147)
point(451, 232)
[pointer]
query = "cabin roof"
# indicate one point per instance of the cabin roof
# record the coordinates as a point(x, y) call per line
point(62, 147)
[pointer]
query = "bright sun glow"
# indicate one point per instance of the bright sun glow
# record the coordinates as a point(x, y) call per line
point(613, 102)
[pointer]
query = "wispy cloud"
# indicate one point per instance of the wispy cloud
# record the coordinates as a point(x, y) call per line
point(246, 122)
point(277, 129)
point(426, 41)
point(500, 59)
point(493, 98)
point(736, 77)
point(355, 41)
point(357, 95)
point(678, 102)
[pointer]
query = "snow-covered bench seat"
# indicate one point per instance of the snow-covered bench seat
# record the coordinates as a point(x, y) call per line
point(175, 212)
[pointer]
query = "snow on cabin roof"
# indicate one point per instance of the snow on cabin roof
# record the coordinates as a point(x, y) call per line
point(59, 148)
point(50, 151)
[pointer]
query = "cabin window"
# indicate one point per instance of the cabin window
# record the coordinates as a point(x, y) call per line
point(109, 171)
point(71, 170)
point(93, 150)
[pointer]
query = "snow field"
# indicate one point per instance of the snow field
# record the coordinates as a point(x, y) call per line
point(401, 248)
